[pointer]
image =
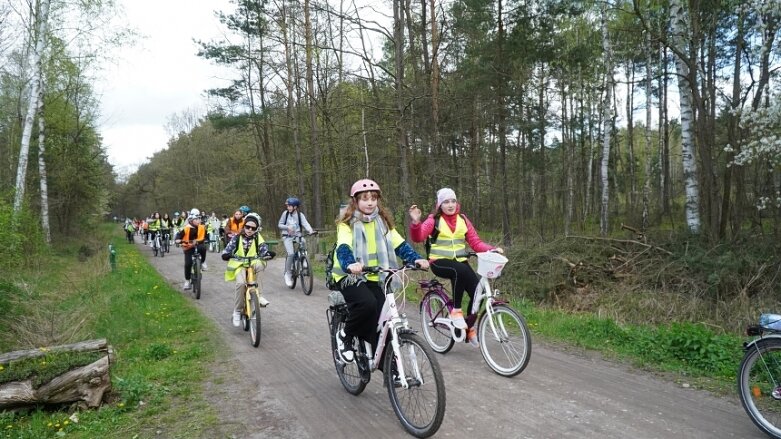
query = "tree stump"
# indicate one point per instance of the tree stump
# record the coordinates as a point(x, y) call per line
point(85, 384)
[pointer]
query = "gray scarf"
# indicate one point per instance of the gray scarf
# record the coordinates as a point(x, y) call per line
point(385, 253)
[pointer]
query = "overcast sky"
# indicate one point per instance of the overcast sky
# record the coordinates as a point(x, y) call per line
point(158, 77)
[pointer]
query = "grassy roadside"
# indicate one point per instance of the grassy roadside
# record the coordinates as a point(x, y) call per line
point(164, 349)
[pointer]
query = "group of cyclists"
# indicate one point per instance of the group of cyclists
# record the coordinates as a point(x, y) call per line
point(366, 237)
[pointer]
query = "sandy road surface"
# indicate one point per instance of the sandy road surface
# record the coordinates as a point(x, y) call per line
point(295, 393)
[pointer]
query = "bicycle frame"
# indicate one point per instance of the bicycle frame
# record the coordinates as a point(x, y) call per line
point(391, 323)
point(483, 292)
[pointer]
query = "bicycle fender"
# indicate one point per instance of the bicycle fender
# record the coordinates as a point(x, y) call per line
point(753, 342)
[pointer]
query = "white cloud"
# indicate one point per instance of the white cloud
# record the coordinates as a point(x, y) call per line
point(158, 77)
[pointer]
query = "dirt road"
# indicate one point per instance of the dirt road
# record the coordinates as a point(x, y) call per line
point(295, 392)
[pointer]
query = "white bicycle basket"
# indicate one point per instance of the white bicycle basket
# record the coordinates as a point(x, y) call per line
point(490, 264)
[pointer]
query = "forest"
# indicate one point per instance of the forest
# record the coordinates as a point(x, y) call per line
point(548, 118)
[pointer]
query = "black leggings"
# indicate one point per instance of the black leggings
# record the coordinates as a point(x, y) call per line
point(188, 259)
point(364, 303)
point(462, 277)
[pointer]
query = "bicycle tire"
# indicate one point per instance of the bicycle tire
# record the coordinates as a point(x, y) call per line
point(167, 245)
point(154, 247)
point(254, 319)
point(196, 277)
point(307, 280)
point(437, 336)
point(758, 380)
point(162, 248)
point(421, 406)
point(508, 352)
point(295, 269)
point(348, 373)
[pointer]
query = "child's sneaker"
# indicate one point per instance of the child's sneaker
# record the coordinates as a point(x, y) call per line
point(344, 346)
point(236, 319)
point(263, 302)
point(458, 319)
point(471, 337)
point(187, 285)
point(204, 267)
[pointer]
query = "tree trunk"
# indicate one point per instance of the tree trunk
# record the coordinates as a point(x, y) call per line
point(47, 234)
point(647, 133)
point(401, 137)
point(86, 384)
point(685, 85)
point(316, 166)
point(41, 24)
point(606, 121)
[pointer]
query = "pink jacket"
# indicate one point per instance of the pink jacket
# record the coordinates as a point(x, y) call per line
point(420, 231)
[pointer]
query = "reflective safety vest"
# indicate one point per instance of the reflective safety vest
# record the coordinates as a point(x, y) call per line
point(235, 266)
point(188, 239)
point(344, 235)
point(233, 228)
point(450, 244)
point(154, 225)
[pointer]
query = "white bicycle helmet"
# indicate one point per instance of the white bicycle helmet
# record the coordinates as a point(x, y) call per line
point(253, 217)
point(195, 213)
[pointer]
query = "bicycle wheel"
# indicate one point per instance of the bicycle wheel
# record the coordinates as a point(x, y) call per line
point(438, 336)
point(161, 247)
point(507, 351)
point(196, 277)
point(421, 406)
point(154, 246)
point(167, 244)
point(348, 373)
point(759, 385)
point(305, 273)
point(254, 318)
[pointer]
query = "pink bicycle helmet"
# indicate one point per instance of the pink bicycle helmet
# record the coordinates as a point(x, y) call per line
point(363, 186)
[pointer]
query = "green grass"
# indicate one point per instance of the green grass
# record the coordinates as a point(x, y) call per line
point(164, 351)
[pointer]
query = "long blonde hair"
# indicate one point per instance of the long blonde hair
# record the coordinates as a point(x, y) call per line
point(385, 214)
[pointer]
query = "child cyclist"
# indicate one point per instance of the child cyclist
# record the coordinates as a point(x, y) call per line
point(450, 231)
point(191, 239)
point(248, 243)
point(291, 223)
point(365, 236)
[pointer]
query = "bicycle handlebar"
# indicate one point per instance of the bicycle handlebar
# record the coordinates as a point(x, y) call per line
point(376, 269)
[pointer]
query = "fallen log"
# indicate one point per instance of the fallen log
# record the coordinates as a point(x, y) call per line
point(85, 385)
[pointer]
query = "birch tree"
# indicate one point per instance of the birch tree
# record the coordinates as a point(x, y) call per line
point(606, 121)
point(685, 84)
point(41, 26)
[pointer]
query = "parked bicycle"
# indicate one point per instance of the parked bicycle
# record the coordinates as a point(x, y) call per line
point(411, 372)
point(157, 246)
point(759, 376)
point(301, 267)
point(250, 315)
point(504, 338)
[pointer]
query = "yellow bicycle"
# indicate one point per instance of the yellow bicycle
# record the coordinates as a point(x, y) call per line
point(250, 315)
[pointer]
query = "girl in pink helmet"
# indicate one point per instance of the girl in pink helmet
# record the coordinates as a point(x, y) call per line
point(365, 236)
point(449, 232)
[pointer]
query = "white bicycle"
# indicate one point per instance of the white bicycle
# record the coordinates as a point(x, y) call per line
point(411, 372)
point(505, 341)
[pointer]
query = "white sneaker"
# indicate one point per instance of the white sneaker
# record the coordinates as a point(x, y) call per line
point(288, 279)
point(346, 353)
point(204, 267)
point(236, 319)
point(263, 302)
point(187, 285)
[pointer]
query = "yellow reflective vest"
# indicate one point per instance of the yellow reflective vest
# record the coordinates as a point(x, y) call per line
point(450, 244)
point(344, 235)
point(235, 266)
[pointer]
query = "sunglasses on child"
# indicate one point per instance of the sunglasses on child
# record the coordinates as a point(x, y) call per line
point(250, 228)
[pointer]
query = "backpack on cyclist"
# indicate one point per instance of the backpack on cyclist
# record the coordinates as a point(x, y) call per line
point(330, 283)
point(287, 215)
point(432, 238)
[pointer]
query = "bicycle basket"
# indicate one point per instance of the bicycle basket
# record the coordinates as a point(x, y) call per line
point(490, 264)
